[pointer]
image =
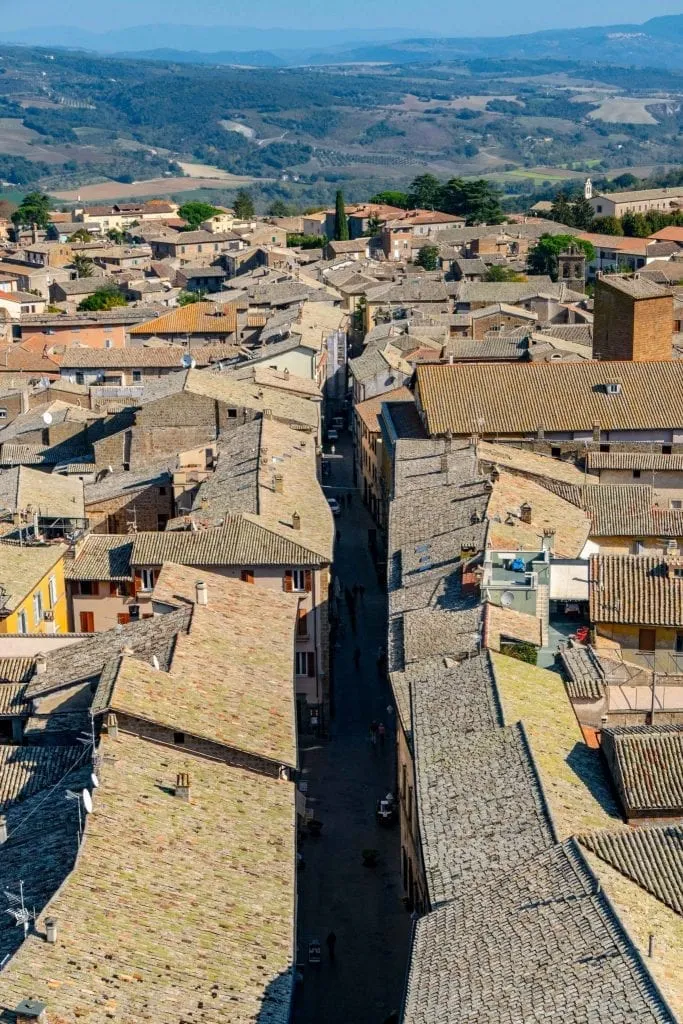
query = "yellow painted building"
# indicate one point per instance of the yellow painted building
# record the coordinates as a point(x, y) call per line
point(32, 591)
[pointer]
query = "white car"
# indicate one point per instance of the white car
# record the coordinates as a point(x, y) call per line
point(335, 508)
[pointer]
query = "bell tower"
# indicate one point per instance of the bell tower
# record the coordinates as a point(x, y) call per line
point(588, 189)
point(571, 268)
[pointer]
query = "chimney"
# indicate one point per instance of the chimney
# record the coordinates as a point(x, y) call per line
point(3, 829)
point(525, 513)
point(112, 726)
point(40, 664)
point(596, 432)
point(51, 930)
point(444, 462)
point(296, 521)
point(182, 786)
point(279, 483)
point(201, 592)
point(548, 540)
point(30, 1011)
point(268, 414)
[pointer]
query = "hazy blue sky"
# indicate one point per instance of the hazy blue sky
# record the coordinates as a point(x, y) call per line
point(447, 17)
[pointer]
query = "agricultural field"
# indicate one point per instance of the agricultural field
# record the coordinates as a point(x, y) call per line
point(103, 127)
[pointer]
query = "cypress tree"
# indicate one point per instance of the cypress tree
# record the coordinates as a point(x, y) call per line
point(341, 224)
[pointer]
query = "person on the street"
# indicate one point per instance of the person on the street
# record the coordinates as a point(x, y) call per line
point(381, 732)
point(374, 726)
point(331, 942)
point(356, 659)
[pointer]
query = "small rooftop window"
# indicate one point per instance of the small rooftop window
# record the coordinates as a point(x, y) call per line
point(613, 387)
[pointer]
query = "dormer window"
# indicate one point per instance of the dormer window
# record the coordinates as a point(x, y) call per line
point(613, 387)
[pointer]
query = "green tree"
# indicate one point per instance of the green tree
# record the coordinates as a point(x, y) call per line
point(244, 205)
point(82, 235)
point(33, 211)
point(561, 210)
point(542, 259)
point(635, 225)
point(189, 298)
point(296, 241)
point(116, 235)
point(341, 224)
point(195, 213)
point(498, 272)
point(607, 226)
point(374, 227)
point(478, 201)
point(582, 213)
point(84, 266)
point(425, 193)
point(106, 297)
point(428, 257)
point(392, 198)
point(279, 208)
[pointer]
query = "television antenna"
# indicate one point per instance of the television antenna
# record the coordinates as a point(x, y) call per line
point(18, 909)
point(87, 800)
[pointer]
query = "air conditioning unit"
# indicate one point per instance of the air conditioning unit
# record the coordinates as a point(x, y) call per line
point(531, 579)
point(49, 615)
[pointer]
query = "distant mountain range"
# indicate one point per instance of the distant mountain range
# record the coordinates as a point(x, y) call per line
point(656, 43)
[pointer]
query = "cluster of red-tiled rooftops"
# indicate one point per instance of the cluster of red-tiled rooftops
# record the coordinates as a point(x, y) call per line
point(186, 478)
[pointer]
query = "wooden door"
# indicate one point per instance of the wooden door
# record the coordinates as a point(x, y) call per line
point(87, 622)
point(646, 639)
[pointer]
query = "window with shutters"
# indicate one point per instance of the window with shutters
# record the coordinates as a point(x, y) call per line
point(147, 579)
point(301, 665)
point(302, 623)
point(37, 608)
point(22, 623)
point(52, 591)
point(298, 581)
point(247, 575)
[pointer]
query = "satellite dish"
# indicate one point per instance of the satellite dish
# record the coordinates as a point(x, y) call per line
point(87, 801)
point(47, 418)
point(95, 781)
point(188, 362)
point(507, 599)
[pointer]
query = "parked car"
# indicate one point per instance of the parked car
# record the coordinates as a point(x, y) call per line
point(335, 507)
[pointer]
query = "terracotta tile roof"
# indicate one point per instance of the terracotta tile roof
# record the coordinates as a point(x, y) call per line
point(143, 355)
point(48, 494)
point(226, 387)
point(648, 461)
point(369, 410)
point(229, 680)
point(635, 286)
point(16, 670)
point(227, 897)
point(195, 318)
point(543, 934)
point(640, 590)
point(511, 625)
point(102, 557)
point(622, 510)
point(650, 857)
point(22, 568)
point(646, 762)
point(507, 530)
point(241, 542)
point(575, 781)
point(585, 675)
point(518, 399)
point(521, 460)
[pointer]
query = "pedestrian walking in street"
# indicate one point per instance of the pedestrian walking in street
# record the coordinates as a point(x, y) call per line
point(381, 733)
point(356, 659)
point(374, 726)
point(331, 942)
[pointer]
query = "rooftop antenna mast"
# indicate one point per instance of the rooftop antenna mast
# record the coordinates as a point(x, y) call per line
point(18, 910)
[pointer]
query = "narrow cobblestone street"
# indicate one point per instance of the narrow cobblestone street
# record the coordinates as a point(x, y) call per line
point(346, 774)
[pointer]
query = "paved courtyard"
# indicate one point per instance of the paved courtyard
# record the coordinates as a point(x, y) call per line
point(346, 775)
